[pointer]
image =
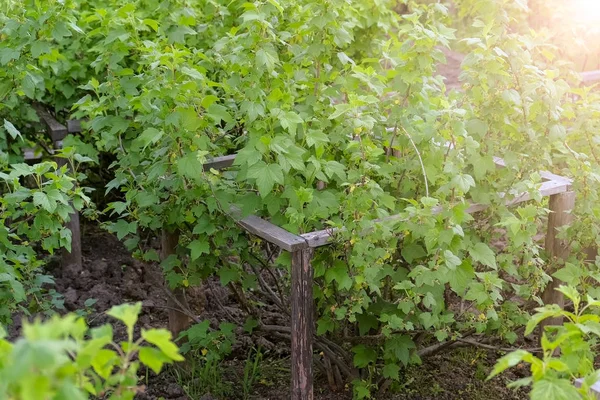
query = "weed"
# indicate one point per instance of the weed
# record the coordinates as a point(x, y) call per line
point(251, 371)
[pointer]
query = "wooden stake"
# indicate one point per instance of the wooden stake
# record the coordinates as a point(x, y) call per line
point(302, 325)
point(561, 207)
point(178, 321)
point(71, 261)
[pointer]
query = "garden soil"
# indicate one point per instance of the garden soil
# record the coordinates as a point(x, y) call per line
point(111, 277)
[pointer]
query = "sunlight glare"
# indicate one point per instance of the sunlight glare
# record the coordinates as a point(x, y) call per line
point(586, 11)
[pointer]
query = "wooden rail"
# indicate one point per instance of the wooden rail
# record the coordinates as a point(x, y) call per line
point(590, 77)
point(556, 187)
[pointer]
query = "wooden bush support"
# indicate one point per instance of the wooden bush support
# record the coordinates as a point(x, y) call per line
point(301, 246)
point(71, 262)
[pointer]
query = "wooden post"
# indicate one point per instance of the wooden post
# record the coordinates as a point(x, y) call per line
point(302, 325)
point(561, 207)
point(71, 262)
point(178, 321)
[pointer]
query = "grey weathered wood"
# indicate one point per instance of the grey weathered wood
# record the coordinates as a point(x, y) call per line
point(302, 325)
point(561, 207)
point(550, 188)
point(273, 233)
point(178, 321)
point(590, 76)
point(219, 162)
point(74, 126)
point(30, 154)
point(595, 389)
point(55, 129)
point(547, 176)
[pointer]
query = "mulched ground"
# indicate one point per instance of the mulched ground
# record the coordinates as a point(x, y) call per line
point(111, 276)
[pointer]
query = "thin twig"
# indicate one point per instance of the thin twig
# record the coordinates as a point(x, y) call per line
point(497, 348)
point(420, 160)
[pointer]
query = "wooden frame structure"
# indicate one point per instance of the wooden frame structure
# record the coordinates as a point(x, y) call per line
point(302, 246)
point(562, 201)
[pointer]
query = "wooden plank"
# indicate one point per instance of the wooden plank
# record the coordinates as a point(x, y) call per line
point(594, 390)
point(589, 77)
point(561, 207)
point(324, 237)
point(74, 126)
point(273, 233)
point(55, 129)
point(30, 154)
point(302, 325)
point(219, 162)
point(547, 176)
point(178, 320)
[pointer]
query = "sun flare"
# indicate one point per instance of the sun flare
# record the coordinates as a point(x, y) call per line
point(586, 11)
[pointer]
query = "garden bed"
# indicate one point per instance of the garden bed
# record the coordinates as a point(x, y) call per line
point(111, 277)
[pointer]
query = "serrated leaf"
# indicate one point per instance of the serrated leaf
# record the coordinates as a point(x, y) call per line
point(508, 361)
point(41, 199)
point(153, 358)
point(363, 356)
point(161, 338)
point(12, 131)
point(391, 371)
point(198, 247)
point(339, 273)
point(554, 389)
point(266, 175)
point(484, 255)
point(149, 136)
point(228, 274)
point(128, 314)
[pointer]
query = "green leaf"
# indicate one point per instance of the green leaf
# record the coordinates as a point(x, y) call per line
point(451, 260)
point(104, 362)
point(250, 324)
point(191, 165)
point(460, 278)
point(149, 136)
point(508, 361)
point(122, 228)
point(128, 314)
point(412, 252)
point(152, 24)
point(198, 247)
point(339, 273)
point(554, 389)
point(161, 338)
point(153, 358)
point(266, 57)
point(219, 113)
point(289, 120)
point(266, 176)
point(391, 371)
point(363, 356)
point(463, 182)
point(228, 274)
point(41, 199)
point(484, 255)
point(12, 131)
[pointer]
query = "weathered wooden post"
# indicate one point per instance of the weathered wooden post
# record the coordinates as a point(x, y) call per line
point(71, 261)
point(178, 321)
point(302, 324)
point(561, 207)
